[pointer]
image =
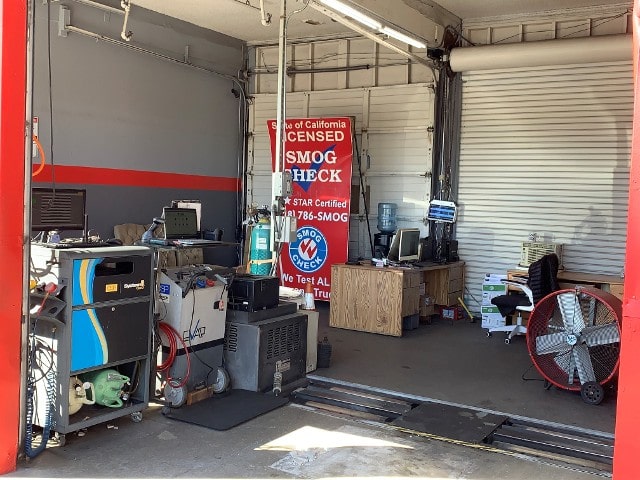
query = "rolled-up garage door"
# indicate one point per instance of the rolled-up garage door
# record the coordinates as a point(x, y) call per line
point(544, 148)
point(606, 48)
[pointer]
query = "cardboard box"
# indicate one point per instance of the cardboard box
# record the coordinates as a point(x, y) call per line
point(492, 286)
point(427, 310)
point(491, 317)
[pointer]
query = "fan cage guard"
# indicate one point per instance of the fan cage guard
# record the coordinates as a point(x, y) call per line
point(546, 319)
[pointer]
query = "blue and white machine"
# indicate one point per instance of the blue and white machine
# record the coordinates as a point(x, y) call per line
point(194, 303)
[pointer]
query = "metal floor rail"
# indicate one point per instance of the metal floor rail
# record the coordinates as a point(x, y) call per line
point(566, 446)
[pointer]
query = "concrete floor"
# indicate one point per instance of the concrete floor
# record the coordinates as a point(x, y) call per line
point(458, 363)
point(455, 363)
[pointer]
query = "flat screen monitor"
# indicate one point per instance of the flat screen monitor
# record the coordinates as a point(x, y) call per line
point(57, 209)
point(180, 223)
point(405, 246)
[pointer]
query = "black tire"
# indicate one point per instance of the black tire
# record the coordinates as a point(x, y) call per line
point(592, 393)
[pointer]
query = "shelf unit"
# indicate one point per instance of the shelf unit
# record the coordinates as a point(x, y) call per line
point(99, 318)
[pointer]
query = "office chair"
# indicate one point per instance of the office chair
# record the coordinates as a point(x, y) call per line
point(541, 281)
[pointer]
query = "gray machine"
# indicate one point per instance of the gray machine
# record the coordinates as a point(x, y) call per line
point(193, 300)
point(266, 354)
point(93, 325)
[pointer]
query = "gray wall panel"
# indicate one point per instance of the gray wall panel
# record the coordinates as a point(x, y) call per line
point(117, 108)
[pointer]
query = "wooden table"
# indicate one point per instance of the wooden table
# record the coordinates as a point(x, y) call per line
point(613, 284)
point(376, 299)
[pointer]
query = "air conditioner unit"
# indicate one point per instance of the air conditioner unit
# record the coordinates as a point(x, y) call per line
point(532, 251)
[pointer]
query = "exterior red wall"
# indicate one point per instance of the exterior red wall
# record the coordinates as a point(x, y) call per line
point(627, 442)
point(12, 116)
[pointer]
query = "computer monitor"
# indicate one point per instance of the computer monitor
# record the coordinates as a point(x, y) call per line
point(405, 246)
point(180, 223)
point(57, 209)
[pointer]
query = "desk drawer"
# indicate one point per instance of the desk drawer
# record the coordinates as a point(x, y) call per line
point(455, 285)
point(411, 278)
point(456, 272)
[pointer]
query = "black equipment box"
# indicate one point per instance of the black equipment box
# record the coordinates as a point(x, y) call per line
point(253, 352)
point(451, 250)
point(241, 316)
point(250, 293)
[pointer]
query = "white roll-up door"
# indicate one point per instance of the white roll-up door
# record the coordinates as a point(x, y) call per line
point(546, 150)
point(392, 126)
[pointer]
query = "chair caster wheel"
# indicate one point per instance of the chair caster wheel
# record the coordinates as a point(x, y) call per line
point(507, 341)
point(488, 334)
point(136, 417)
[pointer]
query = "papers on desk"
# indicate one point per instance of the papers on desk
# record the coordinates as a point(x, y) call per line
point(378, 262)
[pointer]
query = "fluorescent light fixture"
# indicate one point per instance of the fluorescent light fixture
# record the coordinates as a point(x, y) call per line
point(402, 37)
point(353, 13)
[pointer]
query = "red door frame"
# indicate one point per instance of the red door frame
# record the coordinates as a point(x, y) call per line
point(13, 79)
point(627, 442)
point(12, 116)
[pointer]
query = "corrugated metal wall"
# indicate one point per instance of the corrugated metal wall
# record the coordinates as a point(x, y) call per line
point(392, 126)
point(545, 150)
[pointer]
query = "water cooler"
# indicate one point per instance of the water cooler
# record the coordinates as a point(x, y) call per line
point(387, 227)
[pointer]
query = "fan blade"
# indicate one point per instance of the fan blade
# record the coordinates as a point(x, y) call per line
point(571, 367)
point(552, 343)
point(571, 312)
point(601, 334)
point(565, 362)
point(583, 364)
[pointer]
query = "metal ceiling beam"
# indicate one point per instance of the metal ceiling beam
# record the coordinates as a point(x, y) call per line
point(371, 35)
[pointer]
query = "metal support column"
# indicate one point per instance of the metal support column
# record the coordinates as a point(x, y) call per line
point(13, 77)
point(627, 441)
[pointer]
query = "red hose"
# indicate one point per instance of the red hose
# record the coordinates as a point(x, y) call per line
point(171, 335)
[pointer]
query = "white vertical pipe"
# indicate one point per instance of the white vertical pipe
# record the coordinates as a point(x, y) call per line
point(282, 79)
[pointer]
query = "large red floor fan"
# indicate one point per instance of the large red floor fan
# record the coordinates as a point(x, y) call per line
point(573, 337)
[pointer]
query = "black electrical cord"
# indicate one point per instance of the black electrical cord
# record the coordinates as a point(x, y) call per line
point(193, 309)
point(529, 379)
point(362, 191)
point(51, 157)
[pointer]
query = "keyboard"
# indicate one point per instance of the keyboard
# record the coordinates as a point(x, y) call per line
point(427, 263)
point(68, 245)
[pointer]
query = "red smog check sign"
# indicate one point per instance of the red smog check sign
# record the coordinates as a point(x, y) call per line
point(318, 153)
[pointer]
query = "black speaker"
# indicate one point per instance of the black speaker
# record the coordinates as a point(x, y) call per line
point(450, 252)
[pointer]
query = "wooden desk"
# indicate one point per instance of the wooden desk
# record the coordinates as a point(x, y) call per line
point(568, 279)
point(373, 299)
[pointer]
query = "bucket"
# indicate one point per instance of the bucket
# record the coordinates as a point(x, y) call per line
point(387, 217)
point(324, 354)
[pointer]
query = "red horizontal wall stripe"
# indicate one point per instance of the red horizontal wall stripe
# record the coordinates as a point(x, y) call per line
point(135, 178)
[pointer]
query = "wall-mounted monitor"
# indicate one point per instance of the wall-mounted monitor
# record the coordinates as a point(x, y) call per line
point(405, 246)
point(57, 209)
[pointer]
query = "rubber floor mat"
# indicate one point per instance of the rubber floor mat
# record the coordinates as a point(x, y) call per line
point(222, 412)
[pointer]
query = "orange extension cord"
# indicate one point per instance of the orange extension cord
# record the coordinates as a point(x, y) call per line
point(42, 157)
